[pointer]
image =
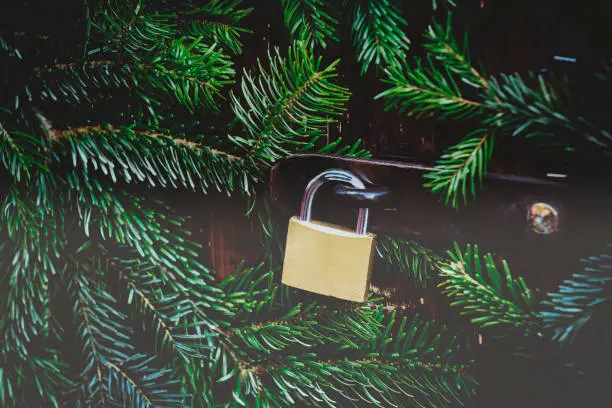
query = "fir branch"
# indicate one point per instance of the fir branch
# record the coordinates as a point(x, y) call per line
point(157, 238)
point(444, 48)
point(217, 22)
point(26, 306)
point(487, 296)
point(163, 324)
point(112, 374)
point(337, 148)
point(221, 33)
point(410, 383)
point(134, 31)
point(101, 329)
point(268, 330)
point(229, 11)
point(426, 90)
point(426, 87)
point(157, 159)
point(9, 50)
point(413, 260)
point(303, 327)
point(405, 373)
point(129, 29)
point(191, 71)
point(77, 82)
point(311, 21)
point(538, 111)
point(289, 107)
point(38, 381)
point(35, 239)
point(178, 330)
point(462, 165)
point(187, 321)
point(20, 153)
point(138, 383)
point(378, 33)
point(433, 343)
point(572, 306)
point(263, 324)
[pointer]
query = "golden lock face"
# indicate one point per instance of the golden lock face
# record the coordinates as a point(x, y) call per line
point(328, 259)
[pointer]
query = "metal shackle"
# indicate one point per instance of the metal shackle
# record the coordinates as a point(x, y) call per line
point(340, 175)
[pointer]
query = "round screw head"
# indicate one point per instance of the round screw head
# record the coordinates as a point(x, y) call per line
point(543, 218)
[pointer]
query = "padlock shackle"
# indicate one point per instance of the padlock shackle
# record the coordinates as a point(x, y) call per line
point(339, 175)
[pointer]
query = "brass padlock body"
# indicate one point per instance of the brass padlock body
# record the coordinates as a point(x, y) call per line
point(328, 259)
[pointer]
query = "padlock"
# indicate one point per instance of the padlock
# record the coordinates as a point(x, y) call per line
point(329, 259)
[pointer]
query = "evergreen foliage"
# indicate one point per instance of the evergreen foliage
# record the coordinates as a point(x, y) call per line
point(312, 21)
point(491, 299)
point(569, 309)
point(378, 33)
point(279, 352)
point(377, 27)
point(300, 92)
point(410, 258)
